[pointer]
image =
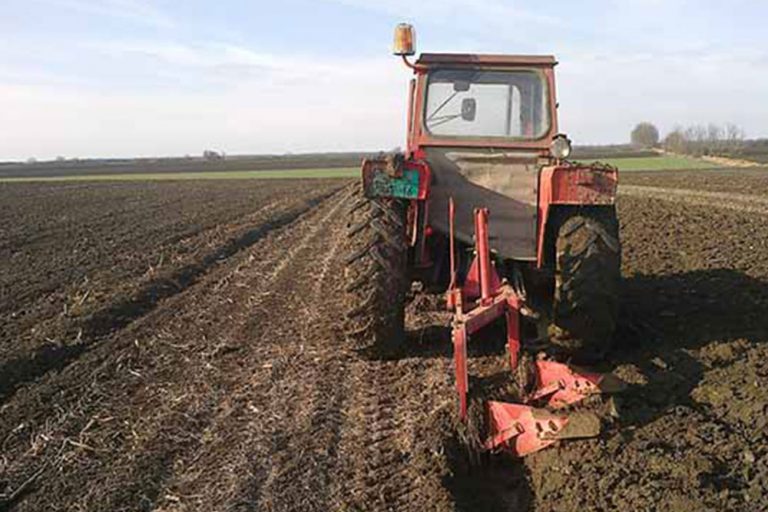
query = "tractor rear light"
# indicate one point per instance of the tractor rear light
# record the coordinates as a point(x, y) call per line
point(405, 40)
point(561, 147)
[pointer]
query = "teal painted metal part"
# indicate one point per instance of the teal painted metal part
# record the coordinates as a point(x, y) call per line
point(406, 187)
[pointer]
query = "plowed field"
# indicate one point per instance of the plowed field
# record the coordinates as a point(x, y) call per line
point(174, 346)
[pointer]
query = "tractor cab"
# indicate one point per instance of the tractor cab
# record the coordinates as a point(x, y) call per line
point(491, 103)
point(500, 101)
point(485, 125)
point(472, 100)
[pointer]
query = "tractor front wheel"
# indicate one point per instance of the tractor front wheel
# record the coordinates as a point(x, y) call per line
point(375, 271)
point(587, 280)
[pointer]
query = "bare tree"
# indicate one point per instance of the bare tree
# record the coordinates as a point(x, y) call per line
point(676, 141)
point(211, 155)
point(701, 140)
point(645, 135)
point(734, 137)
point(695, 138)
point(714, 139)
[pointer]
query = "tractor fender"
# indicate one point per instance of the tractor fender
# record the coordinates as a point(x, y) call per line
point(570, 186)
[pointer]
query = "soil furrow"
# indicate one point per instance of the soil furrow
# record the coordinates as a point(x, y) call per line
point(117, 315)
point(745, 203)
point(269, 399)
point(236, 391)
point(307, 388)
point(158, 453)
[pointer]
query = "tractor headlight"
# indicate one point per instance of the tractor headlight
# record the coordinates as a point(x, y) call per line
point(561, 147)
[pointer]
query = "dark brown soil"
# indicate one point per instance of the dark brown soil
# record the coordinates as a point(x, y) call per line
point(692, 433)
point(78, 262)
point(215, 377)
point(740, 181)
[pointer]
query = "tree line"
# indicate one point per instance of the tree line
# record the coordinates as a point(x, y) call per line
point(696, 140)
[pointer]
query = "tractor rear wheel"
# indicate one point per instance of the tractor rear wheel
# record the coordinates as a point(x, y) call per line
point(587, 280)
point(375, 272)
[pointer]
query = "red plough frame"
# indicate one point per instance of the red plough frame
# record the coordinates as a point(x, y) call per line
point(483, 298)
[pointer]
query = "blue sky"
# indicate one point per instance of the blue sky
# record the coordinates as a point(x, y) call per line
point(169, 77)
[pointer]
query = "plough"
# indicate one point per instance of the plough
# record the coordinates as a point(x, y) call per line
point(526, 427)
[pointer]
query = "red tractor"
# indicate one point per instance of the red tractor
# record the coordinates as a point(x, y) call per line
point(485, 206)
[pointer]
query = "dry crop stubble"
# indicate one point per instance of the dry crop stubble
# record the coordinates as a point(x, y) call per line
point(234, 389)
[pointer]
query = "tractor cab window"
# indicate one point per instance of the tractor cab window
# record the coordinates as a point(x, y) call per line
point(477, 103)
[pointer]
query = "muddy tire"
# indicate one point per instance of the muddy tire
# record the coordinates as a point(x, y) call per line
point(375, 274)
point(587, 280)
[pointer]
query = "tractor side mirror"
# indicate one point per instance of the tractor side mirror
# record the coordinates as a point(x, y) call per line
point(461, 86)
point(468, 109)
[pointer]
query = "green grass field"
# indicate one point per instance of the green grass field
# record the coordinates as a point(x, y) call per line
point(342, 172)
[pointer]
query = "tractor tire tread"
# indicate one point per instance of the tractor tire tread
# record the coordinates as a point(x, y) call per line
point(375, 271)
point(587, 280)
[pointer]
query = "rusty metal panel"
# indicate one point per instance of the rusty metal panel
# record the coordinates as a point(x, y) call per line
point(392, 176)
point(504, 182)
point(378, 183)
point(580, 184)
point(485, 60)
point(419, 137)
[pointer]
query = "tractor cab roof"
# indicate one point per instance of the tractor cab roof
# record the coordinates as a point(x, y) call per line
point(468, 59)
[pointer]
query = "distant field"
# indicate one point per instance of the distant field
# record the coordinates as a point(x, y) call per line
point(339, 172)
point(758, 157)
point(612, 151)
point(658, 163)
point(644, 163)
point(99, 167)
point(754, 150)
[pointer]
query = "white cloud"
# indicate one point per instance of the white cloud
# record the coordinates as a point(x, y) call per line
point(603, 95)
point(173, 96)
point(459, 13)
point(223, 55)
point(294, 104)
point(134, 11)
point(276, 103)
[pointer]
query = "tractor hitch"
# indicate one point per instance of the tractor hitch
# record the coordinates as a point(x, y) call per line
point(517, 428)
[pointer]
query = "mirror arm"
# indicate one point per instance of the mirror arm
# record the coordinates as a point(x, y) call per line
point(415, 67)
